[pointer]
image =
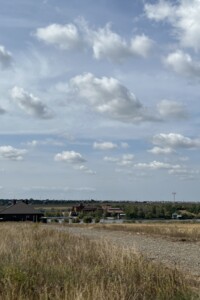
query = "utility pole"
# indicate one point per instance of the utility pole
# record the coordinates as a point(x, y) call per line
point(174, 196)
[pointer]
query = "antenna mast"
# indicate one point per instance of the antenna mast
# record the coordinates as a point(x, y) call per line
point(174, 196)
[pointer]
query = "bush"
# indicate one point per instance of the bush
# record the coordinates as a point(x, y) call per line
point(87, 219)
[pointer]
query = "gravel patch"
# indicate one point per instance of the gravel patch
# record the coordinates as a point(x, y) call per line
point(184, 256)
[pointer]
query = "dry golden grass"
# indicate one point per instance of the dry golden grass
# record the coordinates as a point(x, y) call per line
point(188, 231)
point(37, 262)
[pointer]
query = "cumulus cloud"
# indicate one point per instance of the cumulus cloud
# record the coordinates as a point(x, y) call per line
point(141, 45)
point(70, 157)
point(160, 11)
point(5, 58)
point(30, 104)
point(66, 37)
point(172, 109)
point(104, 146)
point(183, 64)
point(105, 43)
point(109, 97)
point(183, 16)
point(158, 150)
point(11, 153)
point(175, 140)
point(157, 165)
point(109, 45)
point(75, 159)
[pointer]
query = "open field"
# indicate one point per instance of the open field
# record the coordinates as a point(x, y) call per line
point(176, 230)
point(40, 262)
point(175, 253)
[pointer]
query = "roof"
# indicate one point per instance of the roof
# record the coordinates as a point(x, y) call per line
point(91, 208)
point(115, 210)
point(19, 208)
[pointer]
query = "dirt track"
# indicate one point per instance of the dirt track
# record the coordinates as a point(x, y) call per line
point(182, 255)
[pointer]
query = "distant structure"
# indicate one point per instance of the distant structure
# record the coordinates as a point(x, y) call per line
point(174, 196)
point(20, 211)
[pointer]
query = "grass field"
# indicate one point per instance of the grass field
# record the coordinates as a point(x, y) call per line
point(187, 231)
point(37, 262)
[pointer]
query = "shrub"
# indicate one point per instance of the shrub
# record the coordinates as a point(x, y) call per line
point(87, 219)
point(97, 220)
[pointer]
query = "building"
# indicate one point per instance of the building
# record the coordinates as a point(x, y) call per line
point(85, 209)
point(176, 216)
point(113, 212)
point(20, 211)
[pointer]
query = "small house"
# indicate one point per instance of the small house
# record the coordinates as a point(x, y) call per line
point(20, 211)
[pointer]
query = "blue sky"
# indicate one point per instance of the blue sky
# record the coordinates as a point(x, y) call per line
point(100, 100)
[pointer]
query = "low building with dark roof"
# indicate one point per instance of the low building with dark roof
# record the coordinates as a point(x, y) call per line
point(20, 211)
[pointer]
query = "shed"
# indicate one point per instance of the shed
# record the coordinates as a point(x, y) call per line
point(20, 211)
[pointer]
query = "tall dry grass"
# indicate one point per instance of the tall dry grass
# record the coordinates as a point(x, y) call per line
point(42, 263)
point(188, 231)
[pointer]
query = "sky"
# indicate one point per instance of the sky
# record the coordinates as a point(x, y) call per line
point(100, 100)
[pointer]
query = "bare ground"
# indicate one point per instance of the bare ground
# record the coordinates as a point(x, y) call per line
point(182, 255)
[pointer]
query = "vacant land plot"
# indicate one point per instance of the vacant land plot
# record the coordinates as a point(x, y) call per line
point(180, 231)
point(40, 262)
point(179, 254)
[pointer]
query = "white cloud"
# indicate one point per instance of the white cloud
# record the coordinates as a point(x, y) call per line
point(109, 45)
point(141, 45)
point(111, 159)
point(105, 43)
point(158, 150)
point(183, 16)
point(10, 153)
point(160, 11)
point(104, 146)
point(5, 58)
point(30, 104)
point(66, 37)
point(109, 97)
point(172, 109)
point(183, 64)
point(175, 140)
point(126, 160)
point(85, 169)
point(71, 157)
point(185, 173)
point(156, 165)
point(45, 142)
